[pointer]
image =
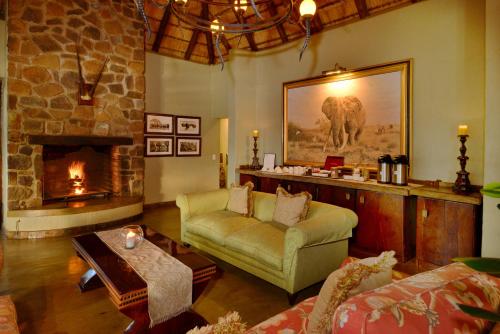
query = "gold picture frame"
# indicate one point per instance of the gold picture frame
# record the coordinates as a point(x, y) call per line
point(359, 114)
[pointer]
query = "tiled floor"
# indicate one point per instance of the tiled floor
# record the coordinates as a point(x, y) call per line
point(41, 276)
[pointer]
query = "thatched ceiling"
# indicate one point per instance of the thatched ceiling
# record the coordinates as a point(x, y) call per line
point(175, 39)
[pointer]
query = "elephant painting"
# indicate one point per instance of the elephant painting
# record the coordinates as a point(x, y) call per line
point(347, 118)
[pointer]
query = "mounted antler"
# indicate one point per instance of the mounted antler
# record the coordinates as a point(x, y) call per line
point(86, 91)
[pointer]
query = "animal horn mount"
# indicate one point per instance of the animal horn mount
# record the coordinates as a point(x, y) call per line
point(86, 90)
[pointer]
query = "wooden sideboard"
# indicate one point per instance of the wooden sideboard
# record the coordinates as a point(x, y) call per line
point(426, 225)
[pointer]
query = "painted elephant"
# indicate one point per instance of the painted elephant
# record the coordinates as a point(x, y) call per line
point(347, 119)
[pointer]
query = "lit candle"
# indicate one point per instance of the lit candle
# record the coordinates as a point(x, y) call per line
point(130, 240)
point(462, 130)
point(255, 133)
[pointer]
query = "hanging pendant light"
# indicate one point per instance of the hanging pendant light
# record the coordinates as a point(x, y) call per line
point(218, 30)
point(240, 6)
point(307, 10)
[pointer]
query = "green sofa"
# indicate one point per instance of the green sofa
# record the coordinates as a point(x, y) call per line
point(292, 258)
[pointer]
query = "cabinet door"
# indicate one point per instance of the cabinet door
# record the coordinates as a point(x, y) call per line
point(269, 185)
point(383, 224)
point(297, 187)
point(244, 178)
point(343, 197)
point(445, 230)
point(367, 233)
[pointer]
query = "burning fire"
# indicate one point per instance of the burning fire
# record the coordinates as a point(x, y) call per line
point(76, 170)
point(76, 177)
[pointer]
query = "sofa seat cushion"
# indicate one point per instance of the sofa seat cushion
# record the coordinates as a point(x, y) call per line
point(263, 242)
point(217, 225)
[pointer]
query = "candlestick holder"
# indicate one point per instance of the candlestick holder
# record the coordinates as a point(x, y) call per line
point(462, 183)
point(255, 159)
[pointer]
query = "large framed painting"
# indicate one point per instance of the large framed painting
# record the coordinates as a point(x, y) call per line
point(159, 124)
point(359, 115)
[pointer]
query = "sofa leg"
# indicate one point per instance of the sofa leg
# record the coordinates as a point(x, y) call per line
point(185, 244)
point(292, 298)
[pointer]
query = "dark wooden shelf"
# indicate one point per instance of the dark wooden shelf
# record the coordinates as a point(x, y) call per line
point(78, 140)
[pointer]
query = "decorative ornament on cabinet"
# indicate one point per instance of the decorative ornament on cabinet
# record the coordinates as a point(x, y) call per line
point(462, 183)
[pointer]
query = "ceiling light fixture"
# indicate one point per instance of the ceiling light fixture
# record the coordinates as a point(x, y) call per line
point(214, 20)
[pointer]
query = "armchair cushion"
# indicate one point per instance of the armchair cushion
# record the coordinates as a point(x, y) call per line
point(216, 226)
point(263, 242)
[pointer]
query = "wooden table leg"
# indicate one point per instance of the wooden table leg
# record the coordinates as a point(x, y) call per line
point(89, 281)
point(140, 318)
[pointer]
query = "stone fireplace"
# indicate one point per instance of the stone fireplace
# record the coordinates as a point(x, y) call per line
point(46, 125)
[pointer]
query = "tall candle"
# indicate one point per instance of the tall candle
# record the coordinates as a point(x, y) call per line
point(463, 130)
point(255, 133)
point(130, 240)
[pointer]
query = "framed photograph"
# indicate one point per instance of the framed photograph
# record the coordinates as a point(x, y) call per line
point(188, 147)
point(269, 160)
point(160, 124)
point(359, 115)
point(187, 126)
point(159, 146)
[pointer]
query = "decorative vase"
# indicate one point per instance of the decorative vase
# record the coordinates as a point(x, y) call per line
point(132, 236)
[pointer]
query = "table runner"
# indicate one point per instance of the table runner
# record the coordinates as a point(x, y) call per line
point(169, 281)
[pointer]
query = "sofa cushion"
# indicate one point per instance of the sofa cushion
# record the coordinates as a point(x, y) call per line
point(263, 242)
point(291, 209)
point(217, 225)
point(424, 303)
point(240, 199)
point(350, 280)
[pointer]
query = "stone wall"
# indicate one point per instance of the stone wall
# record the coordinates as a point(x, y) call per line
point(43, 86)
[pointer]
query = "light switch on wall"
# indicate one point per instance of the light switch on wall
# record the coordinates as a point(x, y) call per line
point(214, 157)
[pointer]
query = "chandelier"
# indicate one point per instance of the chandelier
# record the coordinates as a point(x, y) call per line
point(213, 20)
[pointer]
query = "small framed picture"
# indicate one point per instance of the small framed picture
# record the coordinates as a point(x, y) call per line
point(159, 146)
point(188, 126)
point(269, 159)
point(159, 124)
point(188, 147)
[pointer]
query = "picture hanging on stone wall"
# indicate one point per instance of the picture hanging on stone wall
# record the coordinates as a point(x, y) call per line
point(188, 147)
point(358, 114)
point(159, 124)
point(187, 126)
point(159, 146)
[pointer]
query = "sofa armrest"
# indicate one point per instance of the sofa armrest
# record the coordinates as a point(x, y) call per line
point(199, 203)
point(325, 228)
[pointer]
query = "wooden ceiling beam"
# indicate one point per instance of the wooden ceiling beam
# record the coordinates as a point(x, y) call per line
point(317, 25)
point(248, 36)
point(273, 11)
point(162, 28)
point(362, 8)
point(192, 44)
point(208, 34)
point(226, 43)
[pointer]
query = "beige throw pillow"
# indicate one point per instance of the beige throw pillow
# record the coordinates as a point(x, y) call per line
point(350, 280)
point(240, 199)
point(291, 209)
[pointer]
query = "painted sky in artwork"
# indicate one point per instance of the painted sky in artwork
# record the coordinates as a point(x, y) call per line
point(380, 95)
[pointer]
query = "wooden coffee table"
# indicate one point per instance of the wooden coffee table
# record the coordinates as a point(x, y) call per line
point(127, 289)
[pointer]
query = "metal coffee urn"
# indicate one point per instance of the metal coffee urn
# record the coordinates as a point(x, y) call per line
point(400, 170)
point(384, 169)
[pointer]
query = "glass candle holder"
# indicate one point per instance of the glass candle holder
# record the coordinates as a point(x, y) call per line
point(132, 236)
